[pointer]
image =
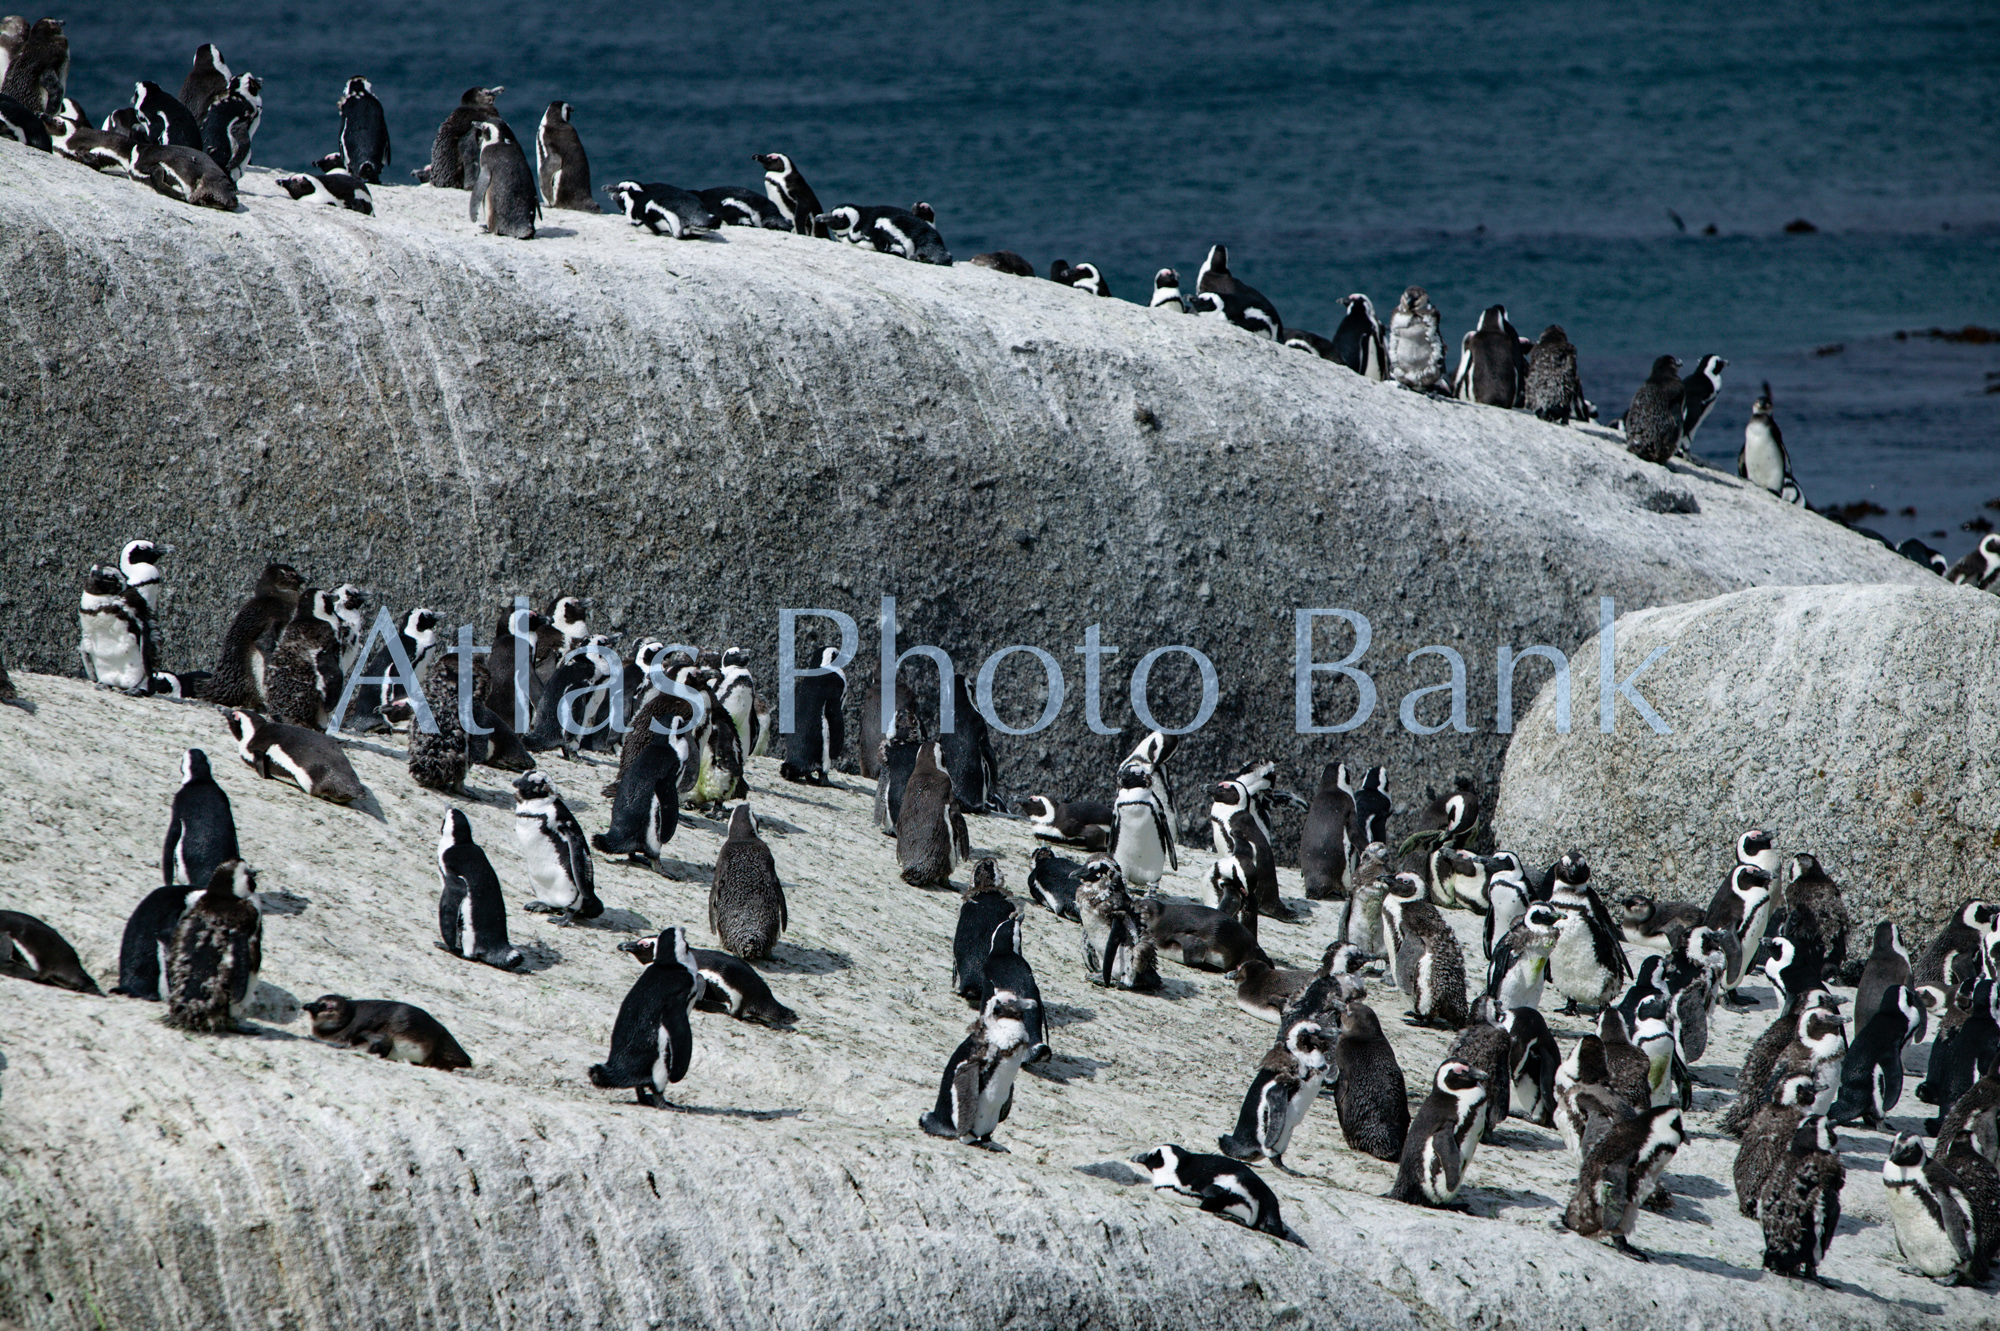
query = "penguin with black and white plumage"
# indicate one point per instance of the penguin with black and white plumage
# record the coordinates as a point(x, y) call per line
point(115, 631)
point(1645, 921)
point(149, 932)
point(652, 1041)
point(1142, 840)
point(364, 133)
point(1627, 1068)
point(1800, 1202)
point(238, 679)
point(1620, 1173)
point(1533, 1059)
point(1742, 906)
point(419, 634)
point(1442, 1139)
point(897, 760)
point(399, 1032)
point(1959, 951)
point(217, 949)
point(201, 830)
point(162, 118)
point(734, 206)
point(646, 810)
point(1667, 1075)
point(447, 167)
point(1553, 391)
point(732, 986)
point(1966, 1049)
point(737, 693)
point(1327, 847)
point(1588, 965)
point(185, 174)
point(1754, 1079)
point(1871, 1072)
point(1368, 1089)
point(1118, 952)
point(931, 839)
point(303, 680)
point(139, 566)
point(1361, 913)
point(1281, 1092)
point(1486, 1043)
point(1586, 1105)
point(1980, 566)
point(558, 855)
point(967, 755)
point(1696, 965)
point(207, 81)
point(1226, 1187)
point(1507, 902)
point(1360, 342)
point(1519, 966)
point(1429, 966)
point(21, 125)
point(818, 743)
point(1310, 343)
point(1234, 308)
point(1917, 552)
point(746, 902)
point(1053, 881)
point(1492, 368)
point(662, 209)
point(313, 761)
point(1932, 1211)
point(787, 189)
point(1416, 345)
point(1887, 968)
point(1244, 854)
point(1698, 393)
point(1167, 292)
point(564, 168)
point(976, 1092)
point(505, 201)
point(1763, 460)
point(1085, 823)
point(31, 949)
point(1653, 421)
point(472, 911)
point(231, 122)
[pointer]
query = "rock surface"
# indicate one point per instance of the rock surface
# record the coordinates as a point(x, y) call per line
point(695, 434)
point(1859, 723)
point(149, 1178)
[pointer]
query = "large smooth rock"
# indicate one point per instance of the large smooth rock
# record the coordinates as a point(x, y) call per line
point(1860, 723)
point(159, 1180)
point(696, 434)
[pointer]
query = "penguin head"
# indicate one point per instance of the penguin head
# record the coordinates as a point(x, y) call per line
point(1160, 1158)
point(1415, 301)
point(1360, 1023)
point(1457, 1078)
point(281, 580)
point(1406, 887)
point(532, 786)
point(1230, 796)
point(454, 830)
point(736, 656)
point(235, 878)
point(627, 194)
point(1803, 868)
point(1981, 915)
point(1493, 319)
point(103, 580)
point(1357, 302)
point(1342, 959)
point(1637, 907)
point(1307, 1043)
point(1553, 336)
point(643, 950)
point(1542, 918)
point(1665, 368)
point(1135, 776)
point(194, 767)
point(329, 1012)
point(482, 98)
point(558, 111)
point(243, 726)
point(776, 164)
point(1907, 1154)
point(249, 87)
point(841, 221)
point(1166, 279)
point(1747, 880)
point(1217, 262)
point(923, 212)
point(357, 85)
point(987, 876)
point(138, 553)
point(742, 823)
point(1815, 1134)
point(1041, 809)
point(673, 942)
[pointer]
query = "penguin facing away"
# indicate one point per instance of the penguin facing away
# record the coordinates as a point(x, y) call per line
point(216, 952)
point(565, 168)
point(505, 200)
point(746, 904)
point(472, 912)
point(1369, 1093)
point(201, 830)
point(1800, 1203)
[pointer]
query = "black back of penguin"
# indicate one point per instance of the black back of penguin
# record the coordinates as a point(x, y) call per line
point(364, 131)
point(505, 199)
point(472, 913)
point(1326, 845)
point(746, 904)
point(201, 830)
point(967, 754)
point(647, 807)
point(652, 1040)
point(819, 739)
point(149, 931)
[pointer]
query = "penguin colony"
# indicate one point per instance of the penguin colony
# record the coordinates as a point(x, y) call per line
point(1644, 975)
point(194, 148)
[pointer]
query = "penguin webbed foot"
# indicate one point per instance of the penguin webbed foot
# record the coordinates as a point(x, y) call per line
point(1621, 1245)
point(1279, 1164)
point(987, 1144)
point(539, 907)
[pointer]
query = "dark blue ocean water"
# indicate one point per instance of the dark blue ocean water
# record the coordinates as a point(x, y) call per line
point(1524, 153)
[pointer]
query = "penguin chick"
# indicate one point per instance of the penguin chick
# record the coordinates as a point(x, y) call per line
point(746, 903)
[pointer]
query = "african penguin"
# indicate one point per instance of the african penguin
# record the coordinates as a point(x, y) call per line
point(1742, 906)
point(364, 132)
point(1282, 1090)
point(1620, 1172)
point(977, 1089)
point(1653, 421)
point(737, 692)
point(115, 633)
point(662, 209)
point(558, 856)
point(163, 119)
point(1167, 292)
point(1933, 1215)
point(438, 759)
point(238, 679)
point(1360, 342)
point(149, 932)
point(1533, 1058)
point(1552, 390)
point(208, 80)
point(1486, 1043)
point(1698, 393)
point(1226, 1187)
point(504, 198)
point(1118, 951)
point(746, 903)
point(1763, 460)
point(1416, 347)
point(1361, 914)
point(966, 753)
point(897, 753)
point(30, 949)
point(472, 912)
point(1368, 1089)
point(1871, 1072)
point(1003, 261)
point(740, 207)
point(1442, 1139)
point(1427, 961)
point(1234, 308)
point(303, 680)
point(400, 1032)
point(1206, 939)
point(652, 1041)
point(564, 167)
point(231, 122)
point(1645, 921)
point(447, 167)
point(819, 741)
point(314, 761)
point(1492, 368)
point(201, 830)
point(931, 838)
point(36, 74)
point(1799, 1205)
point(1980, 567)
point(789, 191)
point(1326, 844)
point(1053, 881)
point(215, 954)
point(1957, 954)
point(1085, 823)
point(1142, 840)
point(1520, 961)
point(646, 810)
point(1818, 906)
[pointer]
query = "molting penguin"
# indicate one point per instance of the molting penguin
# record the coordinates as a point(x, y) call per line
point(472, 913)
point(930, 831)
point(1284, 1088)
point(447, 169)
point(1800, 1203)
point(1763, 460)
point(201, 831)
point(1588, 964)
point(652, 1041)
point(314, 761)
point(208, 80)
point(400, 1032)
point(37, 74)
point(565, 169)
point(504, 200)
point(438, 759)
point(1492, 366)
point(1429, 965)
point(819, 740)
point(1226, 1188)
point(1368, 1090)
point(977, 1089)
point(1361, 913)
point(303, 680)
point(1416, 347)
point(897, 759)
point(789, 191)
point(1520, 960)
point(115, 632)
point(1360, 342)
point(1653, 421)
point(1553, 391)
point(1769, 1136)
point(558, 856)
point(31, 950)
point(217, 949)
point(746, 903)
point(238, 679)
point(1118, 952)
point(364, 131)
point(1620, 1172)
point(1442, 1139)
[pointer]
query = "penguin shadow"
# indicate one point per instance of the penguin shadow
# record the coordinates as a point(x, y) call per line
point(1063, 1014)
point(348, 741)
point(1706, 1265)
point(616, 920)
point(683, 871)
point(717, 1111)
point(1684, 1186)
point(778, 825)
point(1065, 1068)
point(536, 956)
point(689, 818)
point(554, 232)
point(1112, 1171)
point(270, 1003)
point(282, 903)
point(1176, 990)
point(1492, 1203)
point(791, 959)
point(371, 806)
point(1515, 1139)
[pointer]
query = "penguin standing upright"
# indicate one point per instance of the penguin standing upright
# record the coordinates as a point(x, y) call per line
point(1959, 951)
point(217, 949)
point(646, 810)
point(1818, 907)
point(1533, 1059)
point(1800, 1203)
point(652, 1041)
point(1368, 1089)
point(1887, 968)
point(819, 740)
point(977, 1089)
point(1372, 807)
point(208, 80)
point(789, 191)
point(1167, 292)
point(1933, 1214)
point(1653, 421)
point(1326, 845)
point(1442, 1139)
point(1620, 1172)
point(201, 830)
point(1486, 1043)
point(1416, 347)
point(558, 856)
point(1428, 964)
point(898, 758)
point(1698, 393)
point(1588, 965)
point(737, 692)
point(1118, 951)
point(364, 132)
point(1142, 839)
point(1742, 906)
point(504, 197)
point(746, 903)
point(565, 169)
point(967, 754)
point(238, 680)
point(472, 912)
point(438, 759)
point(984, 908)
point(149, 933)
point(1552, 390)
point(1492, 369)
point(1520, 960)
point(303, 680)
point(1359, 342)
point(139, 566)
point(1763, 460)
point(115, 627)
point(231, 123)
point(1243, 848)
point(931, 838)
point(1769, 1136)
point(1871, 1072)
point(1361, 913)
point(447, 168)
point(1284, 1088)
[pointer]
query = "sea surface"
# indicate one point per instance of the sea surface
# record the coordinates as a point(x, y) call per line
point(1564, 159)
